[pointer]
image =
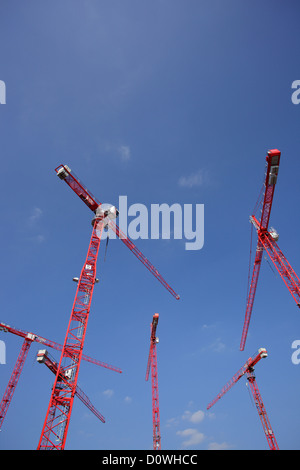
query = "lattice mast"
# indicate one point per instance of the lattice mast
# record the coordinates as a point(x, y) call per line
point(248, 370)
point(14, 378)
point(152, 364)
point(54, 432)
point(52, 344)
point(43, 357)
point(267, 240)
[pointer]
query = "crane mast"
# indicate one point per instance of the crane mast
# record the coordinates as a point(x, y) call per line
point(271, 173)
point(14, 378)
point(262, 411)
point(54, 432)
point(43, 357)
point(65, 174)
point(267, 241)
point(248, 370)
point(52, 344)
point(152, 364)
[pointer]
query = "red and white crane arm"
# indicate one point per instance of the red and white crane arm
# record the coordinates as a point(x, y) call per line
point(261, 353)
point(44, 357)
point(153, 340)
point(65, 174)
point(272, 166)
point(52, 344)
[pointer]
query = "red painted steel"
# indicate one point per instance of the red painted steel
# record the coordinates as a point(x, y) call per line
point(152, 364)
point(65, 173)
point(52, 344)
point(271, 173)
point(54, 432)
point(32, 337)
point(52, 365)
point(142, 258)
point(266, 241)
point(269, 433)
point(11, 386)
point(248, 369)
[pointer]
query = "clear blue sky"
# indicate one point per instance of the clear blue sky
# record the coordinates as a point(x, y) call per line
point(138, 97)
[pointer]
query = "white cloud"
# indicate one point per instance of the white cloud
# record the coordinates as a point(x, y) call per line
point(37, 239)
point(216, 446)
point(192, 437)
point(119, 151)
point(32, 224)
point(35, 215)
point(128, 399)
point(194, 179)
point(217, 345)
point(124, 152)
point(195, 417)
point(108, 393)
point(172, 422)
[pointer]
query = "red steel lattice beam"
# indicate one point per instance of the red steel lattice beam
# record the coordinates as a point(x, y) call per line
point(54, 432)
point(152, 364)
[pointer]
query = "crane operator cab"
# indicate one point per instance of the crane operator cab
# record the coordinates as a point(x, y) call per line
point(105, 211)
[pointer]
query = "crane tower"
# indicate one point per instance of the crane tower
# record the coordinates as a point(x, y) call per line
point(267, 240)
point(29, 338)
point(54, 432)
point(248, 370)
point(152, 364)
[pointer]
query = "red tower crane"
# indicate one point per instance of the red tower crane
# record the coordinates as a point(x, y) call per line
point(52, 344)
point(152, 364)
point(29, 338)
point(43, 357)
point(267, 240)
point(248, 369)
point(62, 396)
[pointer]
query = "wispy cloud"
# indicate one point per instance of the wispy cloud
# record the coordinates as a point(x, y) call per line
point(124, 152)
point(217, 346)
point(32, 225)
point(36, 214)
point(216, 446)
point(198, 178)
point(37, 238)
point(108, 393)
point(195, 417)
point(120, 151)
point(192, 437)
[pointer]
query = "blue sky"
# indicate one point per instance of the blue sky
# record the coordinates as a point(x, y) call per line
point(164, 102)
